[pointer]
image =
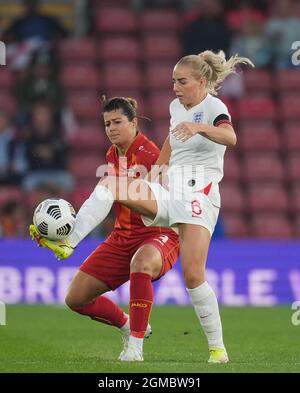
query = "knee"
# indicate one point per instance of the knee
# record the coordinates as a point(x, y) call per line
point(193, 278)
point(73, 302)
point(141, 265)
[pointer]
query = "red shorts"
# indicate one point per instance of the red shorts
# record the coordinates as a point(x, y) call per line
point(110, 261)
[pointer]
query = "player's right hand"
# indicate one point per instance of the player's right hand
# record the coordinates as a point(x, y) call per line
point(61, 248)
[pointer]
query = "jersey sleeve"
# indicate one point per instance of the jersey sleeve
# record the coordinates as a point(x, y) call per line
point(219, 114)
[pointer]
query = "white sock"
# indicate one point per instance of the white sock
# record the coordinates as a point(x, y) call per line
point(93, 211)
point(206, 306)
point(137, 342)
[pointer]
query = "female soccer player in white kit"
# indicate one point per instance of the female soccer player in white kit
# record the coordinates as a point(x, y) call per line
point(200, 130)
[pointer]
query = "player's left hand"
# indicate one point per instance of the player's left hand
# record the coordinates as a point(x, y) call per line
point(185, 130)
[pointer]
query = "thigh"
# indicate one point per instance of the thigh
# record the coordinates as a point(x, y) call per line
point(147, 259)
point(84, 288)
point(109, 262)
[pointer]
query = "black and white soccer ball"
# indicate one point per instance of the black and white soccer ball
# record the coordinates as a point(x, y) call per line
point(54, 218)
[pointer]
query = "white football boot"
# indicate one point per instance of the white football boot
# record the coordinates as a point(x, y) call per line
point(125, 339)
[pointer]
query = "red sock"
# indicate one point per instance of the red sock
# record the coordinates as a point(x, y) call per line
point(103, 310)
point(141, 299)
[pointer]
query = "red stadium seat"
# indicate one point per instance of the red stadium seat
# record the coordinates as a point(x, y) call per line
point(85, 166)
point(9, 193)
point(161, 47)
point(159, 130)
point(159, 75)
point(258, 80)
point(291, 138)
point(293, 167)
point(232, 166)
point(288, 80)
point(118, 76)
point(159, 103)
point(83, 191)
point(159, 20)
point(7, 79)
point(235, 225)
point(269, 197)
point(295, 198)
point(78, 49)
point(258, 137)
point(80, 76)
point(263, 166)
point(119, 48)
point(256, 107)
point(289, 106)
point(271, 226)
point(232, 197)
point(90, 138)
point(85, 105)
point(115, 20)
point(296, 227)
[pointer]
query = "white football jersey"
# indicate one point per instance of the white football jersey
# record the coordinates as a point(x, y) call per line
point(199, 150)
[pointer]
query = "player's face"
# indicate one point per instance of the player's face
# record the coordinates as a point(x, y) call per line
point(118, 128)
point(189, 90)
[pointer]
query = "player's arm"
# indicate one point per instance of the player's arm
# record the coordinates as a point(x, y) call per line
point(223, 134)
point(161, 163)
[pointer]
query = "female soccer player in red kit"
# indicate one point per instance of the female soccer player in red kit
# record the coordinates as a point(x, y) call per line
point(132, 251)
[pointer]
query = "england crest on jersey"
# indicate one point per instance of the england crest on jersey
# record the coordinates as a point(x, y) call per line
point(198, 117)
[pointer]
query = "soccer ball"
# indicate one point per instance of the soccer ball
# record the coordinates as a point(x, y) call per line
point(54, 218)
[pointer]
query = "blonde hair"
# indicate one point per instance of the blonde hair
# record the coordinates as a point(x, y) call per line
point(213, 67)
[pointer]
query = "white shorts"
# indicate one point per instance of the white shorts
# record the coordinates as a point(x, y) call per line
point(191, 208)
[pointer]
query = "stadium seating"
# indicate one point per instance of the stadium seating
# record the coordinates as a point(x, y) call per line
point(115, 20)
point(122, 75)
point(85, 105)
point(161, 46)
point(159, 20)
point(232, 197)
point(291, 137)
point(293, 167)
point(258, 137)
point(288, 80)
point(271, 226)
point(7, 78)
point(256, 107)
point(82, 50)
point(258, 81)
point(80, 76)
point(232, 167)
point(159, 75)
point(159, 103)
point(235, 225)
point(9, 193)
point(263, 166)
point(267, 197)
point(119, 48)
point(289, 106)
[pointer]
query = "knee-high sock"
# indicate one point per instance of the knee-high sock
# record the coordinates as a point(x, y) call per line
point(141, 299)
point(93, 211)
point(206, 306)
point(103, 310)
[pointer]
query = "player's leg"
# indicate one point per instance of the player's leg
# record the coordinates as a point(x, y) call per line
point(154, 258)
point(84, 297)
point(132, 193)
point(194, 244)
point(145, 266)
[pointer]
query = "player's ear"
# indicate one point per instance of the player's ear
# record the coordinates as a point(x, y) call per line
point(135, 121)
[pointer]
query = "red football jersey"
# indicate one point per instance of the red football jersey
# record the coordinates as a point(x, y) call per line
point(144, 152)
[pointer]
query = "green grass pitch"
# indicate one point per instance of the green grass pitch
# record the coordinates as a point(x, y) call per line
point(40, 338)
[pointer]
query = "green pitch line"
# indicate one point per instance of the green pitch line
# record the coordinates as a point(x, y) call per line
point(40, 338)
